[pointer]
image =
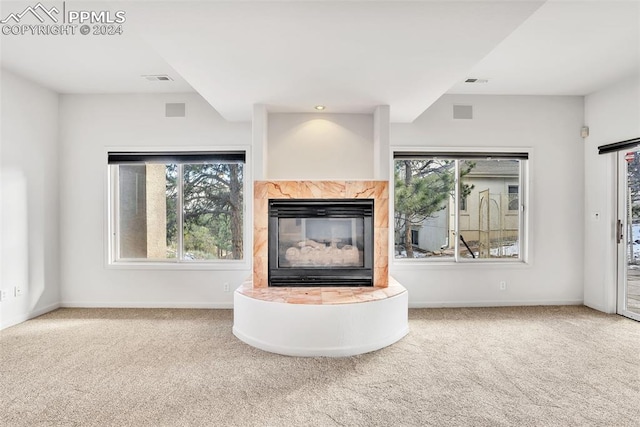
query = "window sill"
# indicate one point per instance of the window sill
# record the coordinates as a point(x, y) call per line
point(420, 264)
point(194, 266)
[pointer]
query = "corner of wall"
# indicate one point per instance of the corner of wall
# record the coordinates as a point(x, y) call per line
point(612, 114)
point(29, 212)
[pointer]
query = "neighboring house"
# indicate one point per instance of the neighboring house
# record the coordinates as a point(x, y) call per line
point(489, 215)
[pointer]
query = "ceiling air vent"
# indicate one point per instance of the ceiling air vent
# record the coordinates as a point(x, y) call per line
point(158, 78)
point(477, 81)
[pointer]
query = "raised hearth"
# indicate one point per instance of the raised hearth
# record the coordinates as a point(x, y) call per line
point(322, 321)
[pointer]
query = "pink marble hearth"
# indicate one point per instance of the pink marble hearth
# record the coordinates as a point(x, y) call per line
point(322, 295)
point(376, 190)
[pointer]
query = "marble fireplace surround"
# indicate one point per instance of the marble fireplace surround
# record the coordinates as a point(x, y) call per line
point(266, 190)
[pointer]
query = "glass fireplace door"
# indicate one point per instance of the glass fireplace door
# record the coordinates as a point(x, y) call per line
point(321, 242)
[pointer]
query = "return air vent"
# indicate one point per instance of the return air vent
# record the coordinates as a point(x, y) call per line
point(158, 78)
point(175, 109)
point(464, 112)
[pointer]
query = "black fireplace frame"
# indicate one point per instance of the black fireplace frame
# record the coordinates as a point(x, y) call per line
point(321, 208)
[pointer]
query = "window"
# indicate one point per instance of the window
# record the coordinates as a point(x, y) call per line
point(432, 190)
point(513, 197)
point(463, 203)
point(415, 236)
point(176, 207)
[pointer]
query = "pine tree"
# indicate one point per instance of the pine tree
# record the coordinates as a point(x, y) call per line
point(422, 189)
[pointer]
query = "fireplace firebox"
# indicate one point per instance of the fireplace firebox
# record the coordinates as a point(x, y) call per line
point(321, 242)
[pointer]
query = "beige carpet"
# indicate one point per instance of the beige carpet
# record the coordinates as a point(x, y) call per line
point(525, 366)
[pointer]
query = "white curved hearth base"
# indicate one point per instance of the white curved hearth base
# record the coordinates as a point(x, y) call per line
point(317, 329)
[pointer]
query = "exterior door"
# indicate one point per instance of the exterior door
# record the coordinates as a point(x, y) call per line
point(628, 233)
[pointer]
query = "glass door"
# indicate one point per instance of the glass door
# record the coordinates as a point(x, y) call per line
point(628, 234)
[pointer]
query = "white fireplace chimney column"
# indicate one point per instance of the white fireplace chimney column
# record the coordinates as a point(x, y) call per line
point(259, 129)
point(381, 151)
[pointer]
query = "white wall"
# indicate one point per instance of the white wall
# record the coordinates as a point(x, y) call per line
point(320, 146)
point(612, 114)
point(89, 124)
point(62, 259)
point(28, 199)
point(550, 128)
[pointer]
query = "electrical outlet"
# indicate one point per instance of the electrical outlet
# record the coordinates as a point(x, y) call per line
point(3, 295)
point(503, 286)
point(17, 291)
point(226, 287)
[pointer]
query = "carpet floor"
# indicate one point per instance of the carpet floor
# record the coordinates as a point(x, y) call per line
point(513, 366)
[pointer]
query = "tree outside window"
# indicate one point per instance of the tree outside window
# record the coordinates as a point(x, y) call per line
point(179, 211)
point(432, 192)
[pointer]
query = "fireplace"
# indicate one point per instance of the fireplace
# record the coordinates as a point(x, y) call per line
point(321, 242)
point(265, 192)
point(326, 321)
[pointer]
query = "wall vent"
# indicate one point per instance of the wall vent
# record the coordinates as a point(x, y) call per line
point(175, 109)
point(464, 112)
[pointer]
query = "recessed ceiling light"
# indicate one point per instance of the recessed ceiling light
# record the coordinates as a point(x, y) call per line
point(319, 107)
point(476, 81)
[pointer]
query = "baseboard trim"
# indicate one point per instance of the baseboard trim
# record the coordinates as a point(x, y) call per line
point(461, 304)
point(197, 305)
point(414, 304)
point(28, 316)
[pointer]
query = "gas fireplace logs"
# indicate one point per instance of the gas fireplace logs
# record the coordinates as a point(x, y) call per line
point(313, 253)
